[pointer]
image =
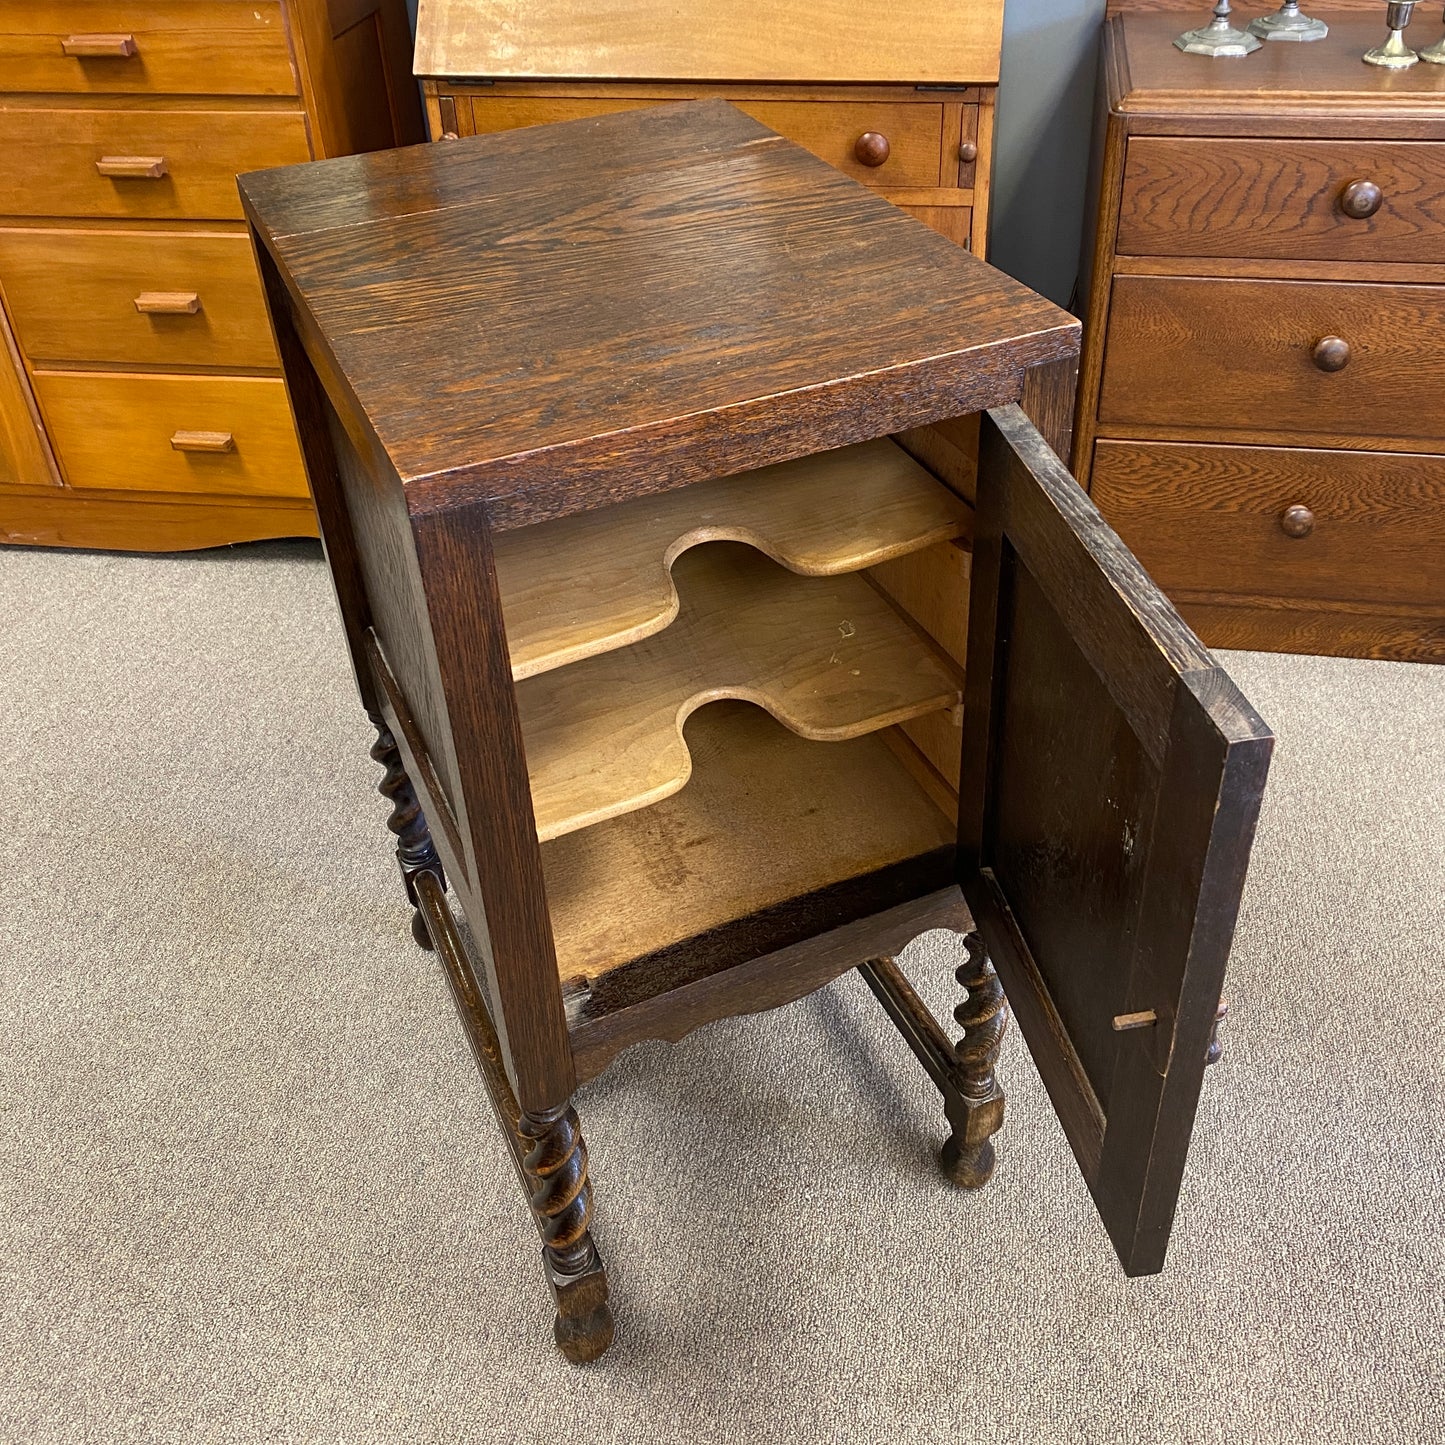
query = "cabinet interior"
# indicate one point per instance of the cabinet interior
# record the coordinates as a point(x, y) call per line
point(741, 705)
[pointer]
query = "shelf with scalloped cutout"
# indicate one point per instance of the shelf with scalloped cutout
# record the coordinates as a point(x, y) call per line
point(600, 580)
point(828, 657)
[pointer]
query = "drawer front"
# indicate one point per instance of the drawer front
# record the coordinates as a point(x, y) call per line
point(178, 47)
point(173, 164)
point(911, 155)
point(1246, 357)
point(194, 434)
point(136, 298)
point(1296, 200)
point(1277, 522)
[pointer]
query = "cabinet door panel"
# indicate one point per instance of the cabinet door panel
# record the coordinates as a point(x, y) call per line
point(1111, 782)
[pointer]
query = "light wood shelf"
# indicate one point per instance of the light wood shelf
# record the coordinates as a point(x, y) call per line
point(600, 580)
point(828, 657)
point(768, 817)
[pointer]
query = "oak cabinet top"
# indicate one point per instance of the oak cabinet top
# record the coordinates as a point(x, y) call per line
point(530, 316)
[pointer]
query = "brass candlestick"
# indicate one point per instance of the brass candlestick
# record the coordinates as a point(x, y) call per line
point(1435, 53)
point(1218, 39)
point(1394, 54)
point(1289, 22)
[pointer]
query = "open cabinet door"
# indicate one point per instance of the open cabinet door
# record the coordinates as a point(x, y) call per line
point(1112, 780)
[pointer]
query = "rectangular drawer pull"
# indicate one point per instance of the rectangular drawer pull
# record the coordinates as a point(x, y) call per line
point(117, 47)
point(139, 168)
point(168, 303)
point(203, 441)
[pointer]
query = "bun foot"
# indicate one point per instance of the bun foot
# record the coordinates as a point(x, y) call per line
point(419, 931)
point(968, 1168)
point(585, 1339)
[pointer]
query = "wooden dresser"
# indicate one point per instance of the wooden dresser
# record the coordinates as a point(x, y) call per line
point(1262, 396)
point(902, 102)
point(141, 400)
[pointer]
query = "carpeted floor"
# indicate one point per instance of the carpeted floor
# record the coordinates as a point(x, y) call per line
point(252, 1190)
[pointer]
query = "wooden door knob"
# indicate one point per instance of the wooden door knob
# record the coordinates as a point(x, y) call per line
point(968, 152)
point(871, 148)
point(1361, 199)
point(1331, 353)
point(1297, 521)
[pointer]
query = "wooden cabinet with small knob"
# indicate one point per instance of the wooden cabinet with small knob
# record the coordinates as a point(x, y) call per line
point(1262, 391)
point(905, 106)
point(141, 399)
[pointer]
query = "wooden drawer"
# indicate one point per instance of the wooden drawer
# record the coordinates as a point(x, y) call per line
point(136, 298)
point(830, 129)
point(53, 159)
point(1283, 198)
point(1211, 519)
point(116, 432)
point(1212, 358)
point(181, 47)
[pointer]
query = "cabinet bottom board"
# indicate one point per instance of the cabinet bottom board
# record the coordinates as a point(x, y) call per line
point(774, 839)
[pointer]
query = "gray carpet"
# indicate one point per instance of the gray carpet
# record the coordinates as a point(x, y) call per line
point(252, 1190)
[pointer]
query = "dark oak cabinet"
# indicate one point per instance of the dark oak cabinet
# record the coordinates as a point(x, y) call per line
point(705, 666)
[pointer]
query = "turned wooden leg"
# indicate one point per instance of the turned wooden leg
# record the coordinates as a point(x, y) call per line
point(556, 1168)
point(975, 1102)
point(415, 851)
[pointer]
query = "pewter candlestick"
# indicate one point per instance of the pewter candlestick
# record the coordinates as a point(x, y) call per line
point(1219, 38)
point(1289, 22)
point(1394, 54)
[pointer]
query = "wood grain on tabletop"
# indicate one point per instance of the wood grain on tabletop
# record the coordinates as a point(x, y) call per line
point(711, 304)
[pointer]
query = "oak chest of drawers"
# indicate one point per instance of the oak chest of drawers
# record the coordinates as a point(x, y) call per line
point(141, 375)
point(1262, 398)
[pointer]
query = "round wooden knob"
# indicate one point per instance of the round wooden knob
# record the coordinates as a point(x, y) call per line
point(1361, 199)
point(967, 152)
point(871, 149)
point(1297, 521)
point(1331, 353)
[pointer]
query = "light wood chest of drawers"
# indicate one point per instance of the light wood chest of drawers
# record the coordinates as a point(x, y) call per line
point(140, 387)
point(1262, 398)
